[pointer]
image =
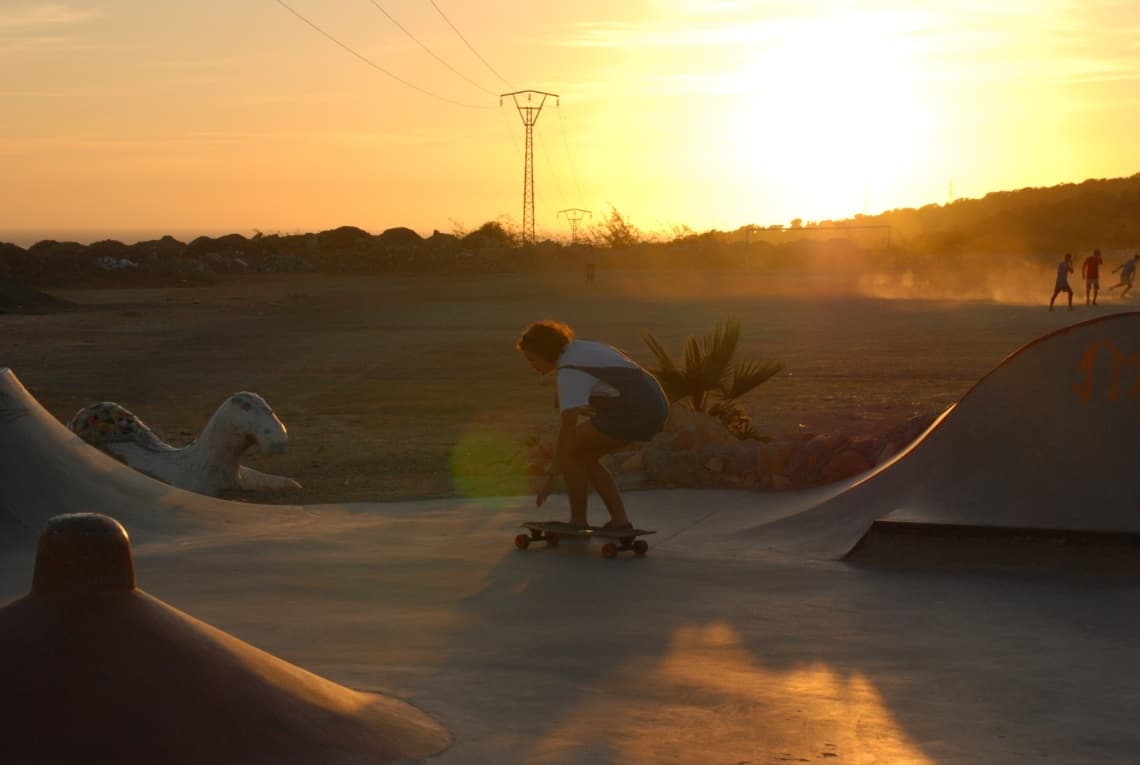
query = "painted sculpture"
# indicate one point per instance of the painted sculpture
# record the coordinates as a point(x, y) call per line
point(209, 465)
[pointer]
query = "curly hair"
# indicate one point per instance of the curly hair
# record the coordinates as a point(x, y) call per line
point(546, 338)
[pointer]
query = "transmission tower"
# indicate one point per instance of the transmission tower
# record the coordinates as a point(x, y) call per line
point(574, 217)
point(528, 110)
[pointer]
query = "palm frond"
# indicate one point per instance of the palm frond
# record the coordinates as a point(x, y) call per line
point(747, 375)
point(709, 366)
point(673, 380)
point(663, 358)
point(675, 384)
point(709, 358)
point(719, 348)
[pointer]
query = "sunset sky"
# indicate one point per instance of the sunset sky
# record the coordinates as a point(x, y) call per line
point(131, 120)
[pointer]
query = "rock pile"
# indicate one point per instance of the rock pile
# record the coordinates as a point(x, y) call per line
point(696, 451)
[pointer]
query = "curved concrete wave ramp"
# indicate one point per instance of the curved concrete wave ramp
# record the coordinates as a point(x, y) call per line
point(1044, 446)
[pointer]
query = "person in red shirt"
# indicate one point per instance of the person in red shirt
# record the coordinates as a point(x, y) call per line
point(1091, 271)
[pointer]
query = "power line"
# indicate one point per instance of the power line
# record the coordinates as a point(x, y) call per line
point(514, 141)
point(428, 50)
point(566, 144)
point(374, 65)
point(553, 172)
point(470, 47)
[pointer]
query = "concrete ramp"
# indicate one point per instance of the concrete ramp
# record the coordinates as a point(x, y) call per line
point(1044, 445)
point(46, 470)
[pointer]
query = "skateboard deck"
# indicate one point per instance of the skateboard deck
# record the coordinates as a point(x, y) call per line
point(552, 532)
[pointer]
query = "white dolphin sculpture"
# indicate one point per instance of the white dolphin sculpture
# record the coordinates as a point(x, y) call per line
point(207, 466)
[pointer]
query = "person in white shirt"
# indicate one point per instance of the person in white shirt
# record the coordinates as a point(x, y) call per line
point(627, 402)
point(1127, 271)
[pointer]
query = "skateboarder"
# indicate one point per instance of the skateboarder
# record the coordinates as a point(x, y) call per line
point(628, 405)
point(1064, 268)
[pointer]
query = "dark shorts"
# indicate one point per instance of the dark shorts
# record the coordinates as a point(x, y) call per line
point(637, 415)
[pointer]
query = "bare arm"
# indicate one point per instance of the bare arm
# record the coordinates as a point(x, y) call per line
point(566, 433)
point(567, 429)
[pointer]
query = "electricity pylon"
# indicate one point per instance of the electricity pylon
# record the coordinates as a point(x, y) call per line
point(574, 217)
point(529, 113)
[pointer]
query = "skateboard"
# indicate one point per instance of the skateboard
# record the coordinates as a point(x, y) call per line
point(552, 532)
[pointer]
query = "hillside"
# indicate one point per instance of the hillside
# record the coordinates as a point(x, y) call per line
point(1028, 228)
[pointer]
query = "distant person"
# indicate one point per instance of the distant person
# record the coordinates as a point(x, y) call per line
point(628, 405)
point(1064, 268)
point(1127, 271)
point(1090, 270)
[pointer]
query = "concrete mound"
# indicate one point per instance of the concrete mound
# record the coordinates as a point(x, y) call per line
point(96, 670)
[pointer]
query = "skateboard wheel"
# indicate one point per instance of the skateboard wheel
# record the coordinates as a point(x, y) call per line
point(552, 539)
point(640, 547)
point(522, 541)
point(609, 551)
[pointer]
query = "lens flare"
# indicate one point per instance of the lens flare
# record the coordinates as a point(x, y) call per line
point(487, 463)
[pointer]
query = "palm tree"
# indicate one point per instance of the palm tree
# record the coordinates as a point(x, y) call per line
point(710, 378)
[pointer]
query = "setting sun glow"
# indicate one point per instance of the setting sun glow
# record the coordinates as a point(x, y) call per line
point(295, 115)
point(833, 109)
point(725, 699)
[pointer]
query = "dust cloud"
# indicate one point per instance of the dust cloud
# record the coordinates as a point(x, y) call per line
point(995, 278)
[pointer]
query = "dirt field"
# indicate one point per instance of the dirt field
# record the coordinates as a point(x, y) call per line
point(392, 386)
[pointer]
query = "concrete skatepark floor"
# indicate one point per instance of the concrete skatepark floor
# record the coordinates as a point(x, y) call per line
point(689, 655)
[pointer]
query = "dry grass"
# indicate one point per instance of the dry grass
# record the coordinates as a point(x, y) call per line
point(389, 385)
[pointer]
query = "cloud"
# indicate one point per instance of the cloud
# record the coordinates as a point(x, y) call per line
point(40, 25)
point(625, 35)
point(42, 14)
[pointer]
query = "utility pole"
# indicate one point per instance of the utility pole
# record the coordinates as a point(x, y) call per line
point(528, 110)
point(574, 217)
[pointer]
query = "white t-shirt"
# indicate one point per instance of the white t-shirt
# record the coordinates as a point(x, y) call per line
point(575, 386)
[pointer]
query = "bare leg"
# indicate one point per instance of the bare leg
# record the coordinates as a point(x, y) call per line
point(582, 470)
point(604, 483)
point(577, 489)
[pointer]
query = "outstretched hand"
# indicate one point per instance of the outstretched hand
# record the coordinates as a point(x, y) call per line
point(544, 490)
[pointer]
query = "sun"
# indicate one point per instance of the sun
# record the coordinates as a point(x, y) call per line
point(833, 112)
